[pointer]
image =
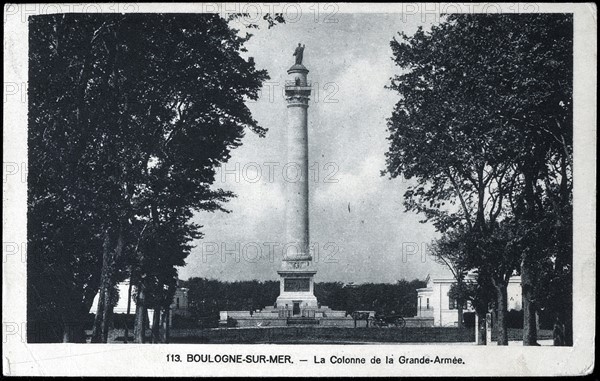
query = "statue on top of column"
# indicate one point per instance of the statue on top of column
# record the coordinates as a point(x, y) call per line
point(299, 53)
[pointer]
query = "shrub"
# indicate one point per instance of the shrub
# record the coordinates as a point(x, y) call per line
point(120, 320)
point(231, 322)
point(469, 319)
point(514, 319)
point(179, 321)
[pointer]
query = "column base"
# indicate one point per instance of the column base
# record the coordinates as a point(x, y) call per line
point(297, 290)
point(304, 300)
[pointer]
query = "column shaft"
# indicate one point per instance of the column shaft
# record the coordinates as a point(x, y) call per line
point(296, 176)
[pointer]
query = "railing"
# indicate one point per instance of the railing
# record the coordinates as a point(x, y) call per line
point(297, 84)
point(304, 312)
point(425, 312)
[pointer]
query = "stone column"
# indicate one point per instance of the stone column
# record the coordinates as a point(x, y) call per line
point(296, 168)
point(297, 270)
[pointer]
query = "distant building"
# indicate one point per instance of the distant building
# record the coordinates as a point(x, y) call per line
point(434, 302)
point(178, 307)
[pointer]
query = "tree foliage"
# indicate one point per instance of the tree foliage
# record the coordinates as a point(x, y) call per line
point(484, 127)
point(129, 116)
point(209, 296)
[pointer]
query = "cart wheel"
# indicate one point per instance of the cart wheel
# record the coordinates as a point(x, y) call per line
point(401, 323)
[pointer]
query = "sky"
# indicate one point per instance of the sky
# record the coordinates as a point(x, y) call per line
point(359, 230)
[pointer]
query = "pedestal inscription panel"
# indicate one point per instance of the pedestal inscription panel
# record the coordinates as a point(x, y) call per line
point(296, 284)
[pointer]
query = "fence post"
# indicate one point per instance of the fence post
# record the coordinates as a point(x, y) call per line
point(488, 328)
point(476, 329)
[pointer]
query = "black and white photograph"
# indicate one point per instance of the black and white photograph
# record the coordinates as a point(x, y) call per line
point(299, 189)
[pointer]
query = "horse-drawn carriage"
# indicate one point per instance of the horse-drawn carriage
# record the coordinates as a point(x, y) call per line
point(380, 320)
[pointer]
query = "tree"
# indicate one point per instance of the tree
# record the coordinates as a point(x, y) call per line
point(70, 180)
point(445, 130)
point(497, 255)
point(130, 115)
point(470, 95)
point(480, 292)
point(462, 251)
point(543, 129)
point(209, 296)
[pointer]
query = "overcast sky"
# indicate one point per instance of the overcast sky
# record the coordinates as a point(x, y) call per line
point(357, 225)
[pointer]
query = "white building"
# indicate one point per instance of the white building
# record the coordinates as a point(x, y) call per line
point(433, 301)
point(178, 307)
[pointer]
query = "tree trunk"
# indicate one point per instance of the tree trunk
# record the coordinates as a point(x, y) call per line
point(165, 325)
point(563, 331)
point(72, 333)
point(168, 322)
point(569, 326)
point(527, 272)
point(459, 309)
point(104, 293)
point(107, 313)
point(139, 328)
point(73, 330)
point(481, 329)
point(128, 310)
point(108, 322)
point(502, 304)
point(156, 325)
point(529, 311)
point(97, 330)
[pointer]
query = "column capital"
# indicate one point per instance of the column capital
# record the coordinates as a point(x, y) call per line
point(297, 68)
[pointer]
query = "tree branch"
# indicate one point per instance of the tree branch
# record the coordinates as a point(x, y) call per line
point(460, 196)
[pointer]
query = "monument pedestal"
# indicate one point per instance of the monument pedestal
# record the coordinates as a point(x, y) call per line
point(296, 290)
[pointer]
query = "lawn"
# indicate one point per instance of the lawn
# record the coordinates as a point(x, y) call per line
point(516, 334)
point(327, 335)
point(314, 335)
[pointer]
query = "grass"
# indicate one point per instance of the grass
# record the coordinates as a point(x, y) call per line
point(329, 335)
point(516, 334)
point(326, 335)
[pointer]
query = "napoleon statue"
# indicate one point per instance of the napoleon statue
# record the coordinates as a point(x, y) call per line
point(299, 53)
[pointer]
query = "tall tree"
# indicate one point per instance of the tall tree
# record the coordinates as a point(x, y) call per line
point(71, 177)
point(542, 124)
point(470, 92)
point(130, 115)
